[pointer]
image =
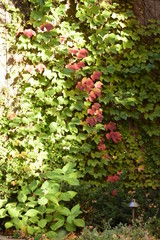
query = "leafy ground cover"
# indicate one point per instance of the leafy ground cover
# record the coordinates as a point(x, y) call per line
point(84, 108)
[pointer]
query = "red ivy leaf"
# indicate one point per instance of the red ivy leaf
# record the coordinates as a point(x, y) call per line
point(114, 192)
point(79, 86)
point(29, 33)
point(112, 179)
point(81, 64)
point(96, 75)
point(98, 84)
point(106, 157)
point(101, 146)
point(91, 111)
point(116, 136)
point(82, 53)
point(96, 106)
point(18, 58)
point(73, 50)
point(97, 92)
point(108, 136)
point(62, 40)
point(110, 126)
point(87, 84)
point(40, 67)
point(29, 68)
point(11, 116)
point(91, 121)
point(46, 26)
point(92, 96)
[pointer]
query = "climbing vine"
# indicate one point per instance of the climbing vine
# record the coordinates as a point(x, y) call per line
point(87, 93)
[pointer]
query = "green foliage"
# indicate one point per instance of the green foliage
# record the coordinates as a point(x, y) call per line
point(87, 92)
point(120, 232)
point(40, 206)
point(110, 203)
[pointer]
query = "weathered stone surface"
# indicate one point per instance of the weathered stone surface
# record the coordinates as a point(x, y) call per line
point(146, 9)
point(2, 46)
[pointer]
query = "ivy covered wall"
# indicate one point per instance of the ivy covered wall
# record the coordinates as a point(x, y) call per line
point(85, 103)
point(87, 92)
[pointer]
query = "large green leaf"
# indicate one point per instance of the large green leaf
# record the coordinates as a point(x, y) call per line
point(43, 201)
point(57, 225)
point(42, 223)
point(67, 196)
point(79, 222)
point(32, 213)
point(13, 212)
point(22, 196)
point(2, 212)
point(33, 185)
point(51, 198)
point(8, 224)
point(75, 211)
point(51, 234)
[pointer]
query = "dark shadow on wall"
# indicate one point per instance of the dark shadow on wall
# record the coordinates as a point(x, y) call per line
point(23, 6)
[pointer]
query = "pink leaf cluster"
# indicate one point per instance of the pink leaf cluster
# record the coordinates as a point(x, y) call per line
point(82, 53)
point(96, 75)
point(29, 33)
point(18, 58)
point(96, 114)
point(115, 136)
point(76, 66)
point(73, 50)
point(113, 178)
point(29, 68)
point(93, 89)
point(101, 145)
point(40, 67)
point(62, 39)
point(110, 126)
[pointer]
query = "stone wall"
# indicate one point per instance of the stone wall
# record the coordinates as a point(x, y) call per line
point(146, 9)
point(3, 46)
